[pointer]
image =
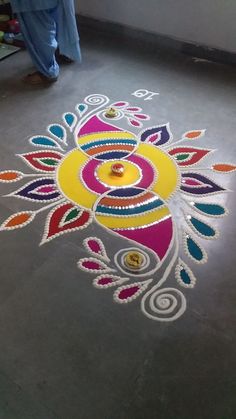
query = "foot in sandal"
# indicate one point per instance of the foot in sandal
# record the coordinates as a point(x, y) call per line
point(38, 78)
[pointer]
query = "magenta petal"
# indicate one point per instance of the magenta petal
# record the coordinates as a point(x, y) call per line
point(128, 292)
point(94, 246)
point(153, 138)
point(105, 281)
point(141, 116)
point(45, 189)
point(134, 122)
point(192, 182)
point(91, 265)
point(133, 109)
point(120, 104)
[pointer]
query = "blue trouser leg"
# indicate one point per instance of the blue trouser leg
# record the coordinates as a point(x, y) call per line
point(67, 31)
point(39, 31)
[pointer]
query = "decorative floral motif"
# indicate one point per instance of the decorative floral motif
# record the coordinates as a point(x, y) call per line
point(132, 114)
point(158, 135)
point(194, 183)
point(78, 186)
point(40, 190)
point(188, 156)
point(65, 218)
point(42, 161)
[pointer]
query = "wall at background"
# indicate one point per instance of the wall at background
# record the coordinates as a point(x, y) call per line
point(206, 22)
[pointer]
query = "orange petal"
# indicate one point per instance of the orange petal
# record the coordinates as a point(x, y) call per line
point(192, 135)
point(223, 167)
point(10, 176)
point(21, 219)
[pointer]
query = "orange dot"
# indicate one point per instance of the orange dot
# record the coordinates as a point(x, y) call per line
point(221, 167)
point(18, 220)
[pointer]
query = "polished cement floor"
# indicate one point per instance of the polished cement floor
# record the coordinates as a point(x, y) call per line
point(66, 350)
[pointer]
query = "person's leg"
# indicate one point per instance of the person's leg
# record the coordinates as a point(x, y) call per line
point(67, 31)
point(39, 31)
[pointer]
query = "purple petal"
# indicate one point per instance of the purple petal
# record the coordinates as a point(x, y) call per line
point(163, 135)
point(31, 190)
point(208, 186)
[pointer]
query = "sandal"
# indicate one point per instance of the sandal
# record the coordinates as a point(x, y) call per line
point(62, 59)
point(38, 78)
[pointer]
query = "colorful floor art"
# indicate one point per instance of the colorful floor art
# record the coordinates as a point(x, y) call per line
point(125, 180)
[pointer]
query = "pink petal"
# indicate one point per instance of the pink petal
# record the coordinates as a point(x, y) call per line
point(96, 247)
point(120, 104)
point(45, 189)
point(141, 116)
point(128, 293)
point(91, 265)
point(134, 122)
point(134, 109)
point(105, 281)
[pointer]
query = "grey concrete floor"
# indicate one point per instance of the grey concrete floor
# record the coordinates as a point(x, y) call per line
point(66, 350)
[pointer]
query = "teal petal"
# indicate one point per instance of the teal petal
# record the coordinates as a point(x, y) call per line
point(44, 142)
point(185, 276)
point(210, 209)
point(70, 119)
point(194, 250)
point(204, 229)
point(82, 108)
point(57, 131)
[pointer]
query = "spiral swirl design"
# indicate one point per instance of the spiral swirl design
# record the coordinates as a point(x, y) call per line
point(166, 304)
point(96, 100)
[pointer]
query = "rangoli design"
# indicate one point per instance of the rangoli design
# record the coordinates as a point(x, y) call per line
point(140, 185)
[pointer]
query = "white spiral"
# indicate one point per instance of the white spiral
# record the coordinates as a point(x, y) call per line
point(166, 304)
point(96, 99)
